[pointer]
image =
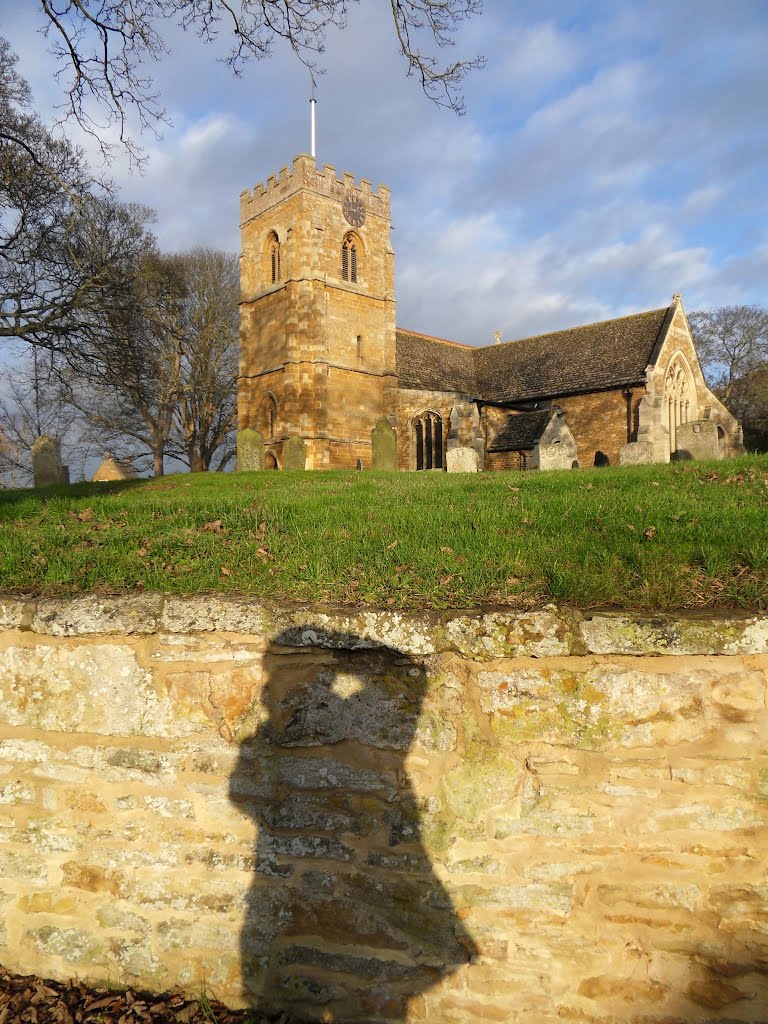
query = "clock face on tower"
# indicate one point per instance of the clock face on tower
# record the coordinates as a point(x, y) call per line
point(353, 210)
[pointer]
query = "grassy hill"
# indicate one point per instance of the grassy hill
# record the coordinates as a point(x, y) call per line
point(689, 535)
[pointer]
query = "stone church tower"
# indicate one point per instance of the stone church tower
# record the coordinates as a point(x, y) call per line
point(317, 319)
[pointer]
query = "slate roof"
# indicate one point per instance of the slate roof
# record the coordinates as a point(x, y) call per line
point(521, 431)
point(595, 357)
point(433, 364)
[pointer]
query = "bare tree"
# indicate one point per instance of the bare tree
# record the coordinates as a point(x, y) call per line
point(103, 46)
point(129, 383)
point(31, 404)
point(66, 247)
point(732, 343)
point(206, 413)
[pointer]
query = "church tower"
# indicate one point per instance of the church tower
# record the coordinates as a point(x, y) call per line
point(317, 316)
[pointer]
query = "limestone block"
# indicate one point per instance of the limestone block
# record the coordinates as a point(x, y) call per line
point(461, 460)
point(384, 446)
point(607, 633)
point(13, 612)
point(91, 615)
point(294, 453)
point(537, 634)
point(250, 449)
point(100, 688)
point(636, 453)
point(191, 614)
point(46, 462)
point(698, 440)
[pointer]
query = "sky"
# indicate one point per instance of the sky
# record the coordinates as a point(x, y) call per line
point(613, 152)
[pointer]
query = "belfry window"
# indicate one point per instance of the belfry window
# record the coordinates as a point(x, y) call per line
point(273, 249)
point(349, 259)
point(428, 441)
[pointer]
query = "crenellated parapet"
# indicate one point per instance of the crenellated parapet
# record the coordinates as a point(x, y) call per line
point(304, 173)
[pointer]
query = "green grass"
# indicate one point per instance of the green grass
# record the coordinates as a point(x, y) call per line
point(658, 537)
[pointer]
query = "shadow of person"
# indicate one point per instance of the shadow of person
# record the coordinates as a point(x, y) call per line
point(345, 919)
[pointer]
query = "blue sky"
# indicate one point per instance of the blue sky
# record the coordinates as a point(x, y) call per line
point(612, 153)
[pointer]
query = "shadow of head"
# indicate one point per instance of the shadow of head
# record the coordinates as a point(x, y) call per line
point(345, 915)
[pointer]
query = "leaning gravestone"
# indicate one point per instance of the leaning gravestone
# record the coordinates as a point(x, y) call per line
point(461, 460)
point(250, 449)
point(46, 462)
point(294, 453)
point(636, 453)
point(384, 446)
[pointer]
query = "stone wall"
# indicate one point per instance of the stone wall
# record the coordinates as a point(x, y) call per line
point(537, 817)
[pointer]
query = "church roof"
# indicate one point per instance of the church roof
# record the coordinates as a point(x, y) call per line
point(521, 431)
point(595, 357)
point(434, 364)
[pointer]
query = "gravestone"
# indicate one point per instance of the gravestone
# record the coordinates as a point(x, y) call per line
point(461, 460)
point(636, 453)
point(294, 453)
point(250, 449)
point(46, 462)
point(697, 440)
point(556, 456)
point(384, 446)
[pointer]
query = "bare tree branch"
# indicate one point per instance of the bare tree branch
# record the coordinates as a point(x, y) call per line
point(104, 46)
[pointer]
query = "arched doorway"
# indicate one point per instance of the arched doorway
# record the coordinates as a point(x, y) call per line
point(270, 462)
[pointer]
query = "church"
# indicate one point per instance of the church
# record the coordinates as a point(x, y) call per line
point(328, 381)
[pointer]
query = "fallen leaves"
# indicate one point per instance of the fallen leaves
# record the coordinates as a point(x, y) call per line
point(29, 998)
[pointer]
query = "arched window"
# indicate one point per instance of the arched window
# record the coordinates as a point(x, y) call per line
point(349, 259)
point(679, 397)
point(270, 462)
point(273, 258)
point(268, 416)
point(428, 440)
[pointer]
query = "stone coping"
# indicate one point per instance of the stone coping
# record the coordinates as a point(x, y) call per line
point(481, 634)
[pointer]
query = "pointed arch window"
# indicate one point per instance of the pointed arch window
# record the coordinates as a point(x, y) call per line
point(268, 417)
point(427, 432)
point(679, 397)
point(349, 259)
point(273, 258)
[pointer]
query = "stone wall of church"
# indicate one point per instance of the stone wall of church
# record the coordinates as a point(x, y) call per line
point(353, 815)
point(411, 403)
point(505, 460)
point(708, 406)
point(334, 339)
point(600, 422)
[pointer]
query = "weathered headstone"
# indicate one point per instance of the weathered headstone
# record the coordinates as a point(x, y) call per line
point(461, 460)
point(46, 462)
point(556, 456)
point(697, 440)
point(636, 453)
point(294, 453)
point(384, 446)
point(250, 449)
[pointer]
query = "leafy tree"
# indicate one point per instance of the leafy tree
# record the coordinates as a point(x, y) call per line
point(105, 45)
point(732, 342)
